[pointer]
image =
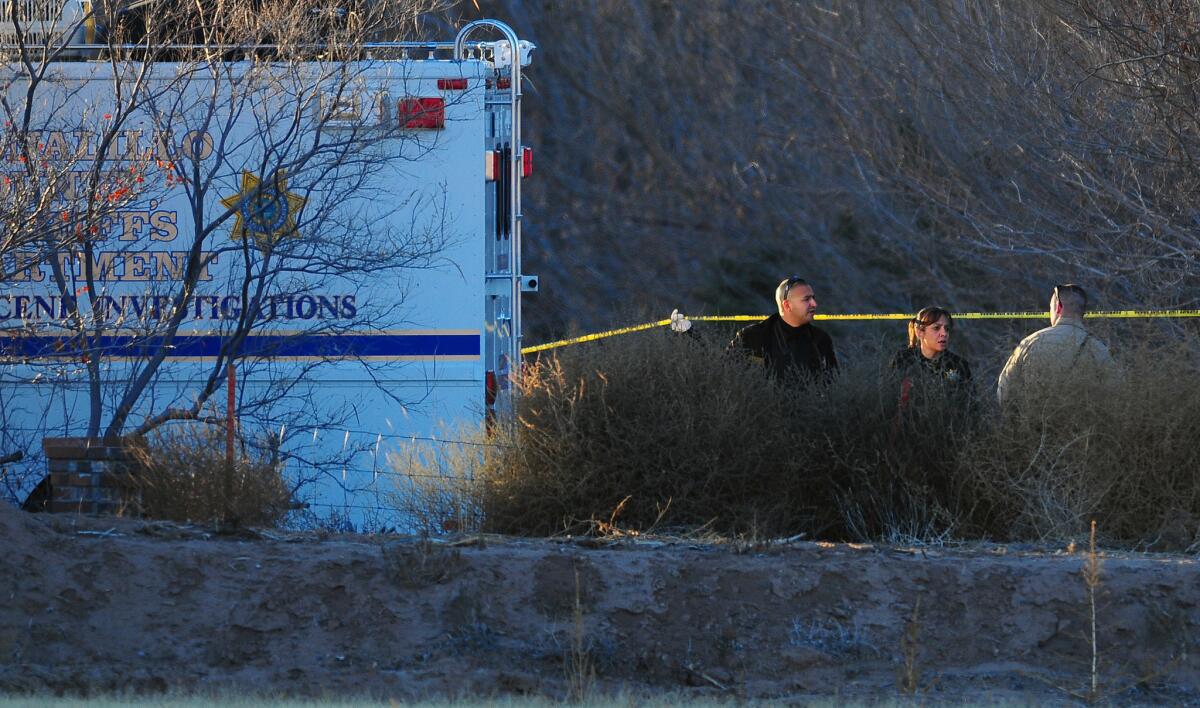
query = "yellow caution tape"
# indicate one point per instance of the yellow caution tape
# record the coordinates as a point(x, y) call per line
point(1109, 314)
point(594, 337)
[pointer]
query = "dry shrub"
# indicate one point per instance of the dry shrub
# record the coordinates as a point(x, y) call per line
point(1119, 452)
point(184, 476)
point(685, 434)
point(898, 473)
point(662, 431)
point(673, 431)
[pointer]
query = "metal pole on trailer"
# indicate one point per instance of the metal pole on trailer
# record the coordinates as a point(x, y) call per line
point(230, 422)
point(515, 166)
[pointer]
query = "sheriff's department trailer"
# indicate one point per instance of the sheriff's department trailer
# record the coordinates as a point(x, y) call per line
point(349, 237)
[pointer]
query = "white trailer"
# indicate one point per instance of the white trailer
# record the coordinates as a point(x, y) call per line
point(368, 296)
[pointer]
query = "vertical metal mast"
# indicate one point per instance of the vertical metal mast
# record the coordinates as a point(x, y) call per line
point(515, 165)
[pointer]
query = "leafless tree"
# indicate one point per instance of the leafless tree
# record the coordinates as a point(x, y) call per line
point(202, 121)
point(688, 164)
point(964, 152)
point(1044, 141)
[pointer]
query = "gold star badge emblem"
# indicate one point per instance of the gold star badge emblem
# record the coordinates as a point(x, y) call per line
point(266, 211)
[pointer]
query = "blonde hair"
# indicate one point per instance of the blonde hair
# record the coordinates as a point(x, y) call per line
point(924, 318)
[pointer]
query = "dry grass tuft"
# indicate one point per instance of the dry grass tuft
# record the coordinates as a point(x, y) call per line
point(578, 665)
point(1091, 578)
point(439, 489)
point(909, 674)
point(419, 564)
point(184, 476)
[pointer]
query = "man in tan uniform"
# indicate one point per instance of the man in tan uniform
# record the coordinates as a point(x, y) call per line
point(1063, 350)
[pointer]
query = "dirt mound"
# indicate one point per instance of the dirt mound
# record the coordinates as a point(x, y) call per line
point(127, 605)
point(22, 535)
point(14, 525)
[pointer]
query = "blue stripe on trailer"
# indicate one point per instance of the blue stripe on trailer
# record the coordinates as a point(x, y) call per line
point(263, 345)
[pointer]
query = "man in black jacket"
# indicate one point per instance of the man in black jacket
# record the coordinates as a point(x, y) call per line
point(788, 344)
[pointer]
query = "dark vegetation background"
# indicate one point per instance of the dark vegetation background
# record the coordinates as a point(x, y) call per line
point(899, 153)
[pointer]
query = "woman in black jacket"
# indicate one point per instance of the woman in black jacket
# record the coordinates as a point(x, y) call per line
point(928, 352)
point(936, 407)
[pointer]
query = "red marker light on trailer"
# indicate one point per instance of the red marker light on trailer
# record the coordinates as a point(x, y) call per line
point(452, 84)
point(526, 161)
point(421, 113)
point(490, 389)
point(491, 163)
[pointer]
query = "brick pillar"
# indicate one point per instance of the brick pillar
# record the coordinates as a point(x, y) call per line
point(91, 476)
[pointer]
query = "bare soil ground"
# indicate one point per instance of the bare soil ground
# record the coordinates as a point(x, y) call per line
point(95, 606)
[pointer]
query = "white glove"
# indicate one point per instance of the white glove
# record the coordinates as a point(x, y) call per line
point(679, 323)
